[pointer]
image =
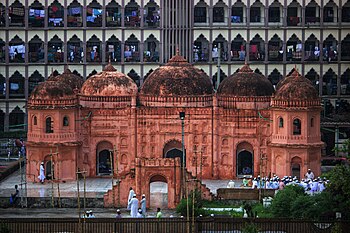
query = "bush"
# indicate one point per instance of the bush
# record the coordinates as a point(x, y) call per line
point(181, 208)
point(282, 203)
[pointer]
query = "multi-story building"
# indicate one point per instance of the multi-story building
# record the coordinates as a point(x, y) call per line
point(39, 37)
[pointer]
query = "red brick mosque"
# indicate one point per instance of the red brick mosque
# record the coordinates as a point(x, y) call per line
point(245, 128)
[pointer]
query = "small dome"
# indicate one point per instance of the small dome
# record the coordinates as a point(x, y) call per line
point(246, 83)
point(109, 82)
point(296, 87)
point(50, 90)
point(57, 86)
point(177, 78)
point(289, 78)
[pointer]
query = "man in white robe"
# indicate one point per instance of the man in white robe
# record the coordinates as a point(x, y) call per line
point(41, 176)
point(134, 205)
point(131, 194)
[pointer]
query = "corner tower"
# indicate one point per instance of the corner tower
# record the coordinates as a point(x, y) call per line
point(296, 138)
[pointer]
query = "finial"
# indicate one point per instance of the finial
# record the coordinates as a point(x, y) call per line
point(109, 59)
point(177, 50)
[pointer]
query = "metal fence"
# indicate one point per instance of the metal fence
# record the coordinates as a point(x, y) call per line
point(170, 225)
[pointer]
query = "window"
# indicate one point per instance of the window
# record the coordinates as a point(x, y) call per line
point(65, 121)
point(94, 14)
point(151, 14)
point(237, 14)
point(36, 15)
point(255, 15)
point(132, 14)
point(75, 14)
point(16, 85)
point(35, 120)
point(93, 49)
point(312, 12)
point(201, 49)
point(16, 14)
point(274, 14)
point(312, 122)
point(75, 50)
point(56, 15)
point(34, 81)
point(345, 48)
point(131, 49)
point(238, 49)
point(36, 50)
point(151, 47)
point(113, 49)
point(345, 13)
point(296, 127)
point(280, 122)
point(2, 16)
point(17, 50)
point(55, 50)
point(113, 14)
point(2, 50)
point(16, 119)
point(218, 14)
point(293, 14)
point(200, 14)
point(48, 125)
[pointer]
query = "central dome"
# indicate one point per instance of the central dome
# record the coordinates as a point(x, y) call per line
point(177, 78)
point(246, 83)
point(109, 82)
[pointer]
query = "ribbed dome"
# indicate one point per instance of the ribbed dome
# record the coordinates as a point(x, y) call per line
point(57, 86)
point(109, 82)
point(177, 78)
point(289, 78)
point(246, 83)
point(296, 87)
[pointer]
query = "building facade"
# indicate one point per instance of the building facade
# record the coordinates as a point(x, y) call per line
point(139, 36)
point(105, 127)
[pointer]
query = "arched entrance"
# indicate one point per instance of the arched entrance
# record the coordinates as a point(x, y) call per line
point(245, 159)
point(104, 155)
point(173, 149)
point(48, 168)
point(158, 187)
point(295, 167)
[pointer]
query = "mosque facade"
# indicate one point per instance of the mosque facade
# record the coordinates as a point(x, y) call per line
point(107, 126)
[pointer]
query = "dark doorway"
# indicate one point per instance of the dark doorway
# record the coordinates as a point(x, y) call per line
point(296, 170)
point(104, 163)
point(244, 163)
point(174, 153)
point(48, 168)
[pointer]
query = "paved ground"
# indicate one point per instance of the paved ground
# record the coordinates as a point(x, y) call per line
point(95, 187)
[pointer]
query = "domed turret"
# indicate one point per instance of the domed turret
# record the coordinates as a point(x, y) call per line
point(296, 87)
point(246, 83)
point(177, 78)
point(109, 82)
point(57, 87)
point(289, 78)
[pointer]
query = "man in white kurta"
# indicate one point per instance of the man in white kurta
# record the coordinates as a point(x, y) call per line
point(143, 204)
point(134, 205)
point(131, 194)
point(41, 176)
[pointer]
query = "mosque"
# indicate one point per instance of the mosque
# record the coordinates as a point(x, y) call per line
point(107, 126)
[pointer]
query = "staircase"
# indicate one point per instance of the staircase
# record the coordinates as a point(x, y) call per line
point(194, 183)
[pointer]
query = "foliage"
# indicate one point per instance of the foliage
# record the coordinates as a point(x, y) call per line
point(345, 148)
point(218, 204)
point(262, 212)
point(181, 208)
point(293, 202)
point(250, 228)
point(282, 203)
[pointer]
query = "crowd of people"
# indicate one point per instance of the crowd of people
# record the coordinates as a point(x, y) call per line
point(310, 183)
point(138, 208)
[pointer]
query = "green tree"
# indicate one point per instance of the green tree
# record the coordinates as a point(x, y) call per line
point(282, 203)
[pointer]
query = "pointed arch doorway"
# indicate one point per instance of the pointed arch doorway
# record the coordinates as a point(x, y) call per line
point(245, 159)
point(104, 158)
point(173, 149)
point(158, 187)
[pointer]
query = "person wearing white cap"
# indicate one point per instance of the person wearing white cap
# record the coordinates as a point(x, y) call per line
point(131, 194)
point(134, 204)
point(91, 215)
point(309, 175)
point(143, 204)
point(231, 184)
point(119, 214)
point(41, 176)
point(139, 213)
